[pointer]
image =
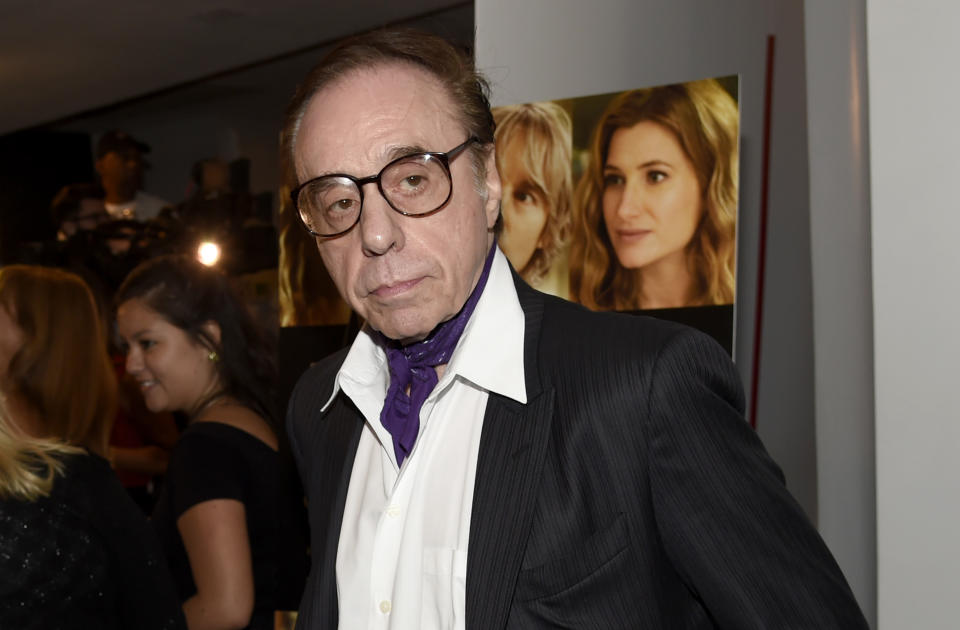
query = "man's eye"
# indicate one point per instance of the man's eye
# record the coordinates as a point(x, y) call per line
point(413, 184)
point(146, 344)
point(341, 205)
point(413, 181)
point(655, 177)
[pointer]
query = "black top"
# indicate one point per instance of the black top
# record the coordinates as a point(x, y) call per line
point(212, 461)
point(84, 557)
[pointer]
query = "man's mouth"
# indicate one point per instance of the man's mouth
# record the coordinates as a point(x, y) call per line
point(394, 289)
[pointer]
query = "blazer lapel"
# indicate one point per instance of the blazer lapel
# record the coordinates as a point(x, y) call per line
point(512, 449)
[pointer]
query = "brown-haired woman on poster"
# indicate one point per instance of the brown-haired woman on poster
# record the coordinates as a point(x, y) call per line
point(657, 205)
point(77, 552)
point(533, 157)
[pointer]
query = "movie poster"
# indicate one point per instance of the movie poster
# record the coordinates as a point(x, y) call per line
point(627, 201)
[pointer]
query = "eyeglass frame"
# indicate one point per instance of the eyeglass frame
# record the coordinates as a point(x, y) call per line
point(443, 157)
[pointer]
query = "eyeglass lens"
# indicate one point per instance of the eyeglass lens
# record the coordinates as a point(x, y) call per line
point(416, 184)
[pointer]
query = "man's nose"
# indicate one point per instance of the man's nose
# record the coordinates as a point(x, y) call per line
point(380, 228)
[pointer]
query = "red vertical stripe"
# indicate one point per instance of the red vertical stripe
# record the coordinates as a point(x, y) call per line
point(762, 248)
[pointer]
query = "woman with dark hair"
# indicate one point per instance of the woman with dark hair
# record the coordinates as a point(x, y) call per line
point(76, 551)
point(194, 348)
point(657, 205)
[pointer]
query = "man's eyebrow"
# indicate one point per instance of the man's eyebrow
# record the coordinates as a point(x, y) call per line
point(404, 151)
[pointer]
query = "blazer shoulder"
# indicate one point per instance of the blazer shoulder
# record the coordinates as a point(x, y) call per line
point(315, 385)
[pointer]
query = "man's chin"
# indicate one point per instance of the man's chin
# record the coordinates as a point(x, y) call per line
point(404, 332)
point(406, 338)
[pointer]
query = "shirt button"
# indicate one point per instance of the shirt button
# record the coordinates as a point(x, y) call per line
point(385, 606)
point(393, 511)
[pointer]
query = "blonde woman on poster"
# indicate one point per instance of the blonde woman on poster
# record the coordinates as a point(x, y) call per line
point(533, 157)
point(657, 204)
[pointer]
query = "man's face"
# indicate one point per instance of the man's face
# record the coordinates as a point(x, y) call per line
point(404, 275)
point(121, 170)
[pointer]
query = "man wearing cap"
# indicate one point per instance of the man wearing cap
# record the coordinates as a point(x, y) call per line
point(485, 456)
point(120, 165)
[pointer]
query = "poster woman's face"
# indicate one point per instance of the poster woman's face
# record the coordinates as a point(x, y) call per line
point(525, 207)
point(652, 200)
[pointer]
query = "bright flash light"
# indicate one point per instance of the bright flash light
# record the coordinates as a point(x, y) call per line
point(208, 253)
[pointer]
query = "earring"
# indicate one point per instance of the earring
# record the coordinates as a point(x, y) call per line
point(213, 356)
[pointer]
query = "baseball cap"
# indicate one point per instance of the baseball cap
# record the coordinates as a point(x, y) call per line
point(121, 142)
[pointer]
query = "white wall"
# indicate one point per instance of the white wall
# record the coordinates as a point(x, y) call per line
point(913, 50)
point(842, 296)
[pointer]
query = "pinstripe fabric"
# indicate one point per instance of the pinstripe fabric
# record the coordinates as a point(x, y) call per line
point(628, 492)
point(324, 446)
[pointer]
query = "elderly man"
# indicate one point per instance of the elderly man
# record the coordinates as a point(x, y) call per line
point(485, 456)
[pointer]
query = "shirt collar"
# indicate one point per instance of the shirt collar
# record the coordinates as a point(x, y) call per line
point(365, 366)
point(490, 353)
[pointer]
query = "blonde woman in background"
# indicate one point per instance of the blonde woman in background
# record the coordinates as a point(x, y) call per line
point(533, 157)
point(657, 205)
point(77, 552)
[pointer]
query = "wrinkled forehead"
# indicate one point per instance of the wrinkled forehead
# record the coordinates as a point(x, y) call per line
point(355, 123)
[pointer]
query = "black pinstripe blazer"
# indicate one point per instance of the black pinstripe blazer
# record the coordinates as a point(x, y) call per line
point(628, 492)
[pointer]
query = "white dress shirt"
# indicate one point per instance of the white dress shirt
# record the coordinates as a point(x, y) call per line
point(402, 555)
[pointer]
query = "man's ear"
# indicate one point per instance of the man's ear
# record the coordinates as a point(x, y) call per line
point(212, 330)
point(492, 186)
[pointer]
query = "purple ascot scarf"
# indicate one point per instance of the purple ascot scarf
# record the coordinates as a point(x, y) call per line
point(413, 366)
